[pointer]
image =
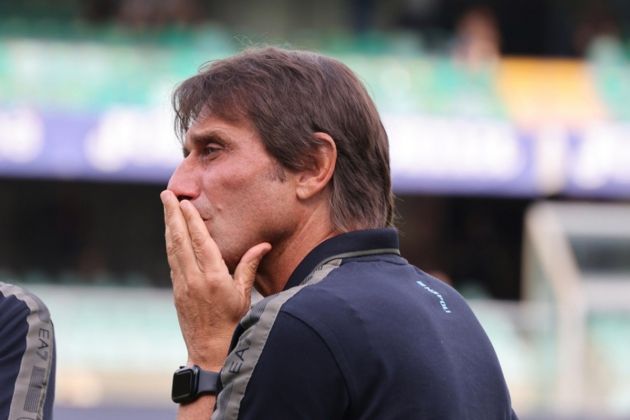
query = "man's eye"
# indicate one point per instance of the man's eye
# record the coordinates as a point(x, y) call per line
point(209, 150)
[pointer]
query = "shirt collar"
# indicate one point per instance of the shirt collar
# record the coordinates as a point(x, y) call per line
point(356, 243)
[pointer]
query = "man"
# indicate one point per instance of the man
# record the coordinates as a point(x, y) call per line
point(285, 184)
point(27, 356)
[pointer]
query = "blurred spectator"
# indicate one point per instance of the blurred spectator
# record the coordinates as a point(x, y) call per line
point(477, 38)
point(140, 14)
point(596, 25)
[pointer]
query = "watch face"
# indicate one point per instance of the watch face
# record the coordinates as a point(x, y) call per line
point(183, 384)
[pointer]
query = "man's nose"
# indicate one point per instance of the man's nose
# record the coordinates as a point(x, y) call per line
point(184, 182)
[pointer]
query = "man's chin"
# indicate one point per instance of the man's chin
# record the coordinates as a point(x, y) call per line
point(230, 260)
point(231, 257)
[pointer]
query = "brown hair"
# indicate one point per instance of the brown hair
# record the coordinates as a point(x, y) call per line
point(289, 95)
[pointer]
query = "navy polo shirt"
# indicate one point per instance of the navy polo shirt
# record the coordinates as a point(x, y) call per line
point(359, 333)
point(27, 356)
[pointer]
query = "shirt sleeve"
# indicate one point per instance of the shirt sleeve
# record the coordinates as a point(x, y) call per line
point(295, 377)
point(27, 356)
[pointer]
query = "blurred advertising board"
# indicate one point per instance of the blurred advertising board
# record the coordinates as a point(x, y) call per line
point(518, 127)
point(599, 161)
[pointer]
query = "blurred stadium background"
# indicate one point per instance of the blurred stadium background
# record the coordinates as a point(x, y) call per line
point(509, 126)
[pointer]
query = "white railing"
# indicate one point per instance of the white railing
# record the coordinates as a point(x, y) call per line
point(551, 274)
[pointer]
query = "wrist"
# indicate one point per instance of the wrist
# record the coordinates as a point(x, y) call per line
point(211, 356)
point(209, 360)
point(214, 366)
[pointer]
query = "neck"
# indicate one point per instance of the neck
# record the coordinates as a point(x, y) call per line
point(277, 266)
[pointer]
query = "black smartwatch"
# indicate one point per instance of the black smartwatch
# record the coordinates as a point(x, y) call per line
point(191, 382)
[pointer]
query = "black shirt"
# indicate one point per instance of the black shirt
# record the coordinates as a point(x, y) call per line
point(359, 333)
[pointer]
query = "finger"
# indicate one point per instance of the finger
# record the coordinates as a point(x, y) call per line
point(207, 253)
point(178, 247)
point(245, 272)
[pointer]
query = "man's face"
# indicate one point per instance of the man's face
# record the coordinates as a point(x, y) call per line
point(240, 191)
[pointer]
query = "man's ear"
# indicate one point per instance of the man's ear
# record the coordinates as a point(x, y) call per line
point(316, 177)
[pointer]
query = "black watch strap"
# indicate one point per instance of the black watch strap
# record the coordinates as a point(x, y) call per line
point(191, 382)
point(208, 382)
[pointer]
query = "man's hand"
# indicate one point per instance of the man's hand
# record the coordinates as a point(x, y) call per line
point(209, 301)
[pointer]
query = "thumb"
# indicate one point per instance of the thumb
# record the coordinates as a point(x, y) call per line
point(245, 272)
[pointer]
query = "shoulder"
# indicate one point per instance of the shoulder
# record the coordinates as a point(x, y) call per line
point(18, 299)
point(375, 307)
point(20, 308)
point(379, 287)
point(27, 354)
point(352, 280)
point(24, 319)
